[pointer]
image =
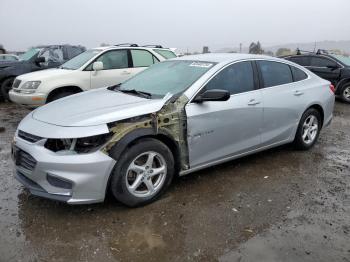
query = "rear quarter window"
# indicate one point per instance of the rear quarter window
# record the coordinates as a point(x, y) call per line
point(298, 74)
point(167, 54)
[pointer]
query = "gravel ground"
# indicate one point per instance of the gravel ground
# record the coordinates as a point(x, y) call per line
point(279, 205)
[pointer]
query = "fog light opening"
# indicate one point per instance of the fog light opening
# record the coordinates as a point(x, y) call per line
point(59, 182)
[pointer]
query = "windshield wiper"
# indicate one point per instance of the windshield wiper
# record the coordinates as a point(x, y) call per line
point(62, 67)
point(136, 92)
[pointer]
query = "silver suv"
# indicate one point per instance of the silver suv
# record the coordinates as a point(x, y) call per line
point(176, 117)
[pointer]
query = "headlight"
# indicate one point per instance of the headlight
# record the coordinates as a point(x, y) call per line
point(31, 85)
point(77, 145)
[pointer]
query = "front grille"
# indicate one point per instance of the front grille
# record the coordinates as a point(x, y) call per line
point(16, 83)
point(25, 160)
point(29, 137)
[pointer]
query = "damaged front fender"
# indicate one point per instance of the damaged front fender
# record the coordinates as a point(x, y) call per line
point(170, 121)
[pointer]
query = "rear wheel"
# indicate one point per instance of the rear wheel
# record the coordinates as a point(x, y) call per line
point(345, 93)
point(308, 130)
point(6, 86)
point(142, 173)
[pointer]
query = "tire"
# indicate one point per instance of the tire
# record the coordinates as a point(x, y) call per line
point(6, 86)
point(308, 129)
point(132, 170)
point(60, 95)
point(345, 93)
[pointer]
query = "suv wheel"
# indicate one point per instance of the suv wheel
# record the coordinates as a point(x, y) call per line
point(142, 173)
point(308, 130)
point(345, 93)
point(6, 86)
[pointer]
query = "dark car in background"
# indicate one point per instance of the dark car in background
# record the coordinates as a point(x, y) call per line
point(36, 58)
point(332, 67)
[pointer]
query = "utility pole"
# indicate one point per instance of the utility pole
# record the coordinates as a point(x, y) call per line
point(240, 47)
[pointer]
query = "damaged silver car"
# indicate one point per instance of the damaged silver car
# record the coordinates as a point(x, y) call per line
point(176, 117)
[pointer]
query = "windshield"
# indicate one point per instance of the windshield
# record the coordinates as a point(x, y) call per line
point(80, 60)
point(344, 59)
point(167, 77)
point(29, 54)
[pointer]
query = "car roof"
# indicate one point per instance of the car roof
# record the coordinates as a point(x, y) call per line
point(102, 48)
point(224, 57)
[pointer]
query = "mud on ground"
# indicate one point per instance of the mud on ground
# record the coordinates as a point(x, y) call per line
point(279, 205)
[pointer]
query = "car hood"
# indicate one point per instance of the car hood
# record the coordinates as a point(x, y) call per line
point(45, 74)
point(5, 64)
point(96, 107)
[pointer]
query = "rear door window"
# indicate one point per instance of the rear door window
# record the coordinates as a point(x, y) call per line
point(167, 54)
point(236, 78)
point(275, 73)
point(300, 60)
point(142, 58)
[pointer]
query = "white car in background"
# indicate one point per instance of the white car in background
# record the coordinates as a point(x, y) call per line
point(95, 68)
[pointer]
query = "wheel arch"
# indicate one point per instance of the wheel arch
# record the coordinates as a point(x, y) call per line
point(57, 90)
point(133, 137)
point(341, 84)
point(319, 108)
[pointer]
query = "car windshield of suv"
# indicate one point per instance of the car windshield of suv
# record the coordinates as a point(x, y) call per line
point(344, 59)
point(166, 77)
point(29, 54)
point(79, 60)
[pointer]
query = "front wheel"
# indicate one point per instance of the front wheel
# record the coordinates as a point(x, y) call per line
point(6, 86)
point(308, 130)
point(142, 173)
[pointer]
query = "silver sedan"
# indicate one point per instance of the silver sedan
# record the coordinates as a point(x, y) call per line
point(176, 117)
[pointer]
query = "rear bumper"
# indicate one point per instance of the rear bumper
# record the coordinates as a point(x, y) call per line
point(74, 179)
point(31, 100)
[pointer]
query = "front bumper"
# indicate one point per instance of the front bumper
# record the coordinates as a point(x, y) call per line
point(87, 174)
point(31, 100)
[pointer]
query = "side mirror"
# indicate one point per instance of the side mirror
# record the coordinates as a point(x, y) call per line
point(97, 66)
point(212, 95)
point(40, 59)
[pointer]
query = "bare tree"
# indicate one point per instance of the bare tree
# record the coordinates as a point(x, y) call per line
point(255, 48)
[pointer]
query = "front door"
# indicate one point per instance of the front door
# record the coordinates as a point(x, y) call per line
point(223, 129)
point(116, 69)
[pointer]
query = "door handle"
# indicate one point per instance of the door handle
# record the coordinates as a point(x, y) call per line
point(253, 102)
point(298, 93)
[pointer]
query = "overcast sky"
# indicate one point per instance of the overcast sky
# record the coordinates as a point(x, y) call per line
point(181, 23)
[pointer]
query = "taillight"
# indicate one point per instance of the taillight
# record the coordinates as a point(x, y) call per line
point(332, 88)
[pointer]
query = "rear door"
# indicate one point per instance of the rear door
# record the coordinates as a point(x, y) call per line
point(282, 97)
point(116, 69)
point(325, 67)
point(226, 128)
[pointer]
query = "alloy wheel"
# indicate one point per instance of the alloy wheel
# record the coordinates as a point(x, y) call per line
point(346, 93)
point(146, 174)
point(310, 129)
